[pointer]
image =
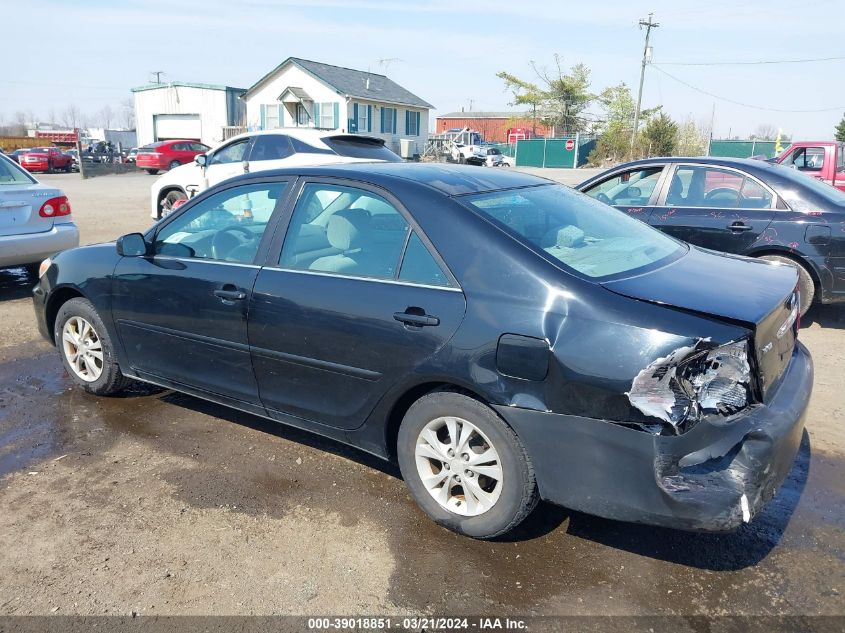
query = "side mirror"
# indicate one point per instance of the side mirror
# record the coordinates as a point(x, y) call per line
point(200, 159)
point(131, 245)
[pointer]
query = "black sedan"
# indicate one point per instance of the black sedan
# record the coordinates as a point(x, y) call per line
point(501, 336)
point(746, 207)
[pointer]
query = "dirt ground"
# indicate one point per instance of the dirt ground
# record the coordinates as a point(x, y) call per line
point(158, 503)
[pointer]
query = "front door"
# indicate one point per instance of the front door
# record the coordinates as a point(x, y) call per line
point(718, 208)
point(227, 162)
point(181, 312)
point(355, 300)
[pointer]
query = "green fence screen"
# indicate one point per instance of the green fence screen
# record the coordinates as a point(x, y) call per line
point(746, 149)
point(554, 152)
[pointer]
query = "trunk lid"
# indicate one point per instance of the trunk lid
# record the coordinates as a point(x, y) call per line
point(19, 206)
point(758, 294)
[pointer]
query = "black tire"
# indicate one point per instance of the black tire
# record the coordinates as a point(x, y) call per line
point(519, 494)
point(174, 164)
point(806, 285)
point(152, 172)
point(111, 380)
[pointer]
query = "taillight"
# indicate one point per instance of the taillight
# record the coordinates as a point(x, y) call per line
point(55, 207)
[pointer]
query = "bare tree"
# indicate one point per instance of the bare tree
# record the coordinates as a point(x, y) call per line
point(71, 116)
point(105, 117)
point(128, 113)
point(764, 132)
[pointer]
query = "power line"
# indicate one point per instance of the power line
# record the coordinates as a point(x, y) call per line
point(757, 62)
point(740, 103)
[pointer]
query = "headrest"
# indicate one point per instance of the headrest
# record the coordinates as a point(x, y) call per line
point(569, 237)
point(348, 228)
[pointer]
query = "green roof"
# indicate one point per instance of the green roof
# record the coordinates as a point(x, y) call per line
point(185, 84)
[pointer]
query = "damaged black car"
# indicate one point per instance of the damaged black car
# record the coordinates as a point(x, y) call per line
point(501, 337)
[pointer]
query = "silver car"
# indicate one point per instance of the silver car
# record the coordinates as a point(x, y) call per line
point(35, 219)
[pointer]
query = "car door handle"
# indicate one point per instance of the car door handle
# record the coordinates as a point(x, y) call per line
point(739, 226)
point(416, 318)
point(230, 294)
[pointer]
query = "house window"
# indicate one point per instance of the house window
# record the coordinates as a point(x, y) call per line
point(413, 123)
point(271, 116)
point(327, 115)
point(301, 114)
point(362, 118)
point(388, 120)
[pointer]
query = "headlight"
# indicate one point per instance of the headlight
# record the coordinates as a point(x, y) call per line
point(44, 266)
point(694, 381)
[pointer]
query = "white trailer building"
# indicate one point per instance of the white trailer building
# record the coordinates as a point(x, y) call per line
point(182, 110)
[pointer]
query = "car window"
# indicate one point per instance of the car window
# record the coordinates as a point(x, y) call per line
point(11, 174)
point(712, 187)
point(179, 147)
point(629, 188)
point(806, 159)
point(302, 147)
point(226, 226)
point(199, 147)
point(361, 147)
point(351, 231)
point(270, 147)
point(232, 153)
point(584, 235)
point(419, 266)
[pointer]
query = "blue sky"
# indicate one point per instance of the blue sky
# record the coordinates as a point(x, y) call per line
point(93, 51)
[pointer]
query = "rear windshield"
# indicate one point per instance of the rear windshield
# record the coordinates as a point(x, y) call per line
point(584, 235)
point(370, 149)
point(11, 174)
point(829, 192)
point(152, 146)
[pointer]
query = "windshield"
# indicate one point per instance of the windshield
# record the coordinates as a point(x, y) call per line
point(586, 236)
point(11, 174)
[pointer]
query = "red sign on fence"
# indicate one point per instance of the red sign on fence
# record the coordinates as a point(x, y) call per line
point(570, 145)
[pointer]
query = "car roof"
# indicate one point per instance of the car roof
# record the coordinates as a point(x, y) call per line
point(452, 180)
point(302, 133)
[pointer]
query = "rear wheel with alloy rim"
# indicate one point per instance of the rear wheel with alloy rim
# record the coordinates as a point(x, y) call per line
point(464, 466)
point(174, 164)
point(86, 348)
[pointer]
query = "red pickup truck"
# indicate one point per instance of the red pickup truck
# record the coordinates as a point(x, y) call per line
point(824, 160)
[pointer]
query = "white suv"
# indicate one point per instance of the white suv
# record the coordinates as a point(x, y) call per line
point(260, 151)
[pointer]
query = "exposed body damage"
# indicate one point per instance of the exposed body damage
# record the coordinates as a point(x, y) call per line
point(693, 381)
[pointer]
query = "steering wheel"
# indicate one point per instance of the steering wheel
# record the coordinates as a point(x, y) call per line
point(226, 240)
point(725, 192)
point(602, 197)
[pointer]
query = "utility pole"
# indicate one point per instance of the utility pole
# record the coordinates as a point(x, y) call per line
point(648, 24)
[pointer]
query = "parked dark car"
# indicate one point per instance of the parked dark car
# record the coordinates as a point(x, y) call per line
point(742, 206)
point(571, 353)
point(16, 155)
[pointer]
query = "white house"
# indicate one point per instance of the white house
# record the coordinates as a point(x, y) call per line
point(303, 93)
point(186, 110)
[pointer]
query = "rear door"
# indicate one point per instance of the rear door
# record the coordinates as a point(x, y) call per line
point(353, 299)
point(633, 191)
point(719, 208)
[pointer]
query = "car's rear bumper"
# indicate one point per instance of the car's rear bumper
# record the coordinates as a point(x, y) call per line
point(30, 248)
point(147, 163)
point(713, 478)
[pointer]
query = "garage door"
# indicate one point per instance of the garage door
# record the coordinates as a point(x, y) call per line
point(170, 126)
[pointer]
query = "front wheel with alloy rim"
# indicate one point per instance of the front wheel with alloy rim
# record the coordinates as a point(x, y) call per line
point(464, 466)
point(172, 200)
point(86, 348)
point(806, 286)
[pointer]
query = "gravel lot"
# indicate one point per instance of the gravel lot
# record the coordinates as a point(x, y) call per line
point(159, 503)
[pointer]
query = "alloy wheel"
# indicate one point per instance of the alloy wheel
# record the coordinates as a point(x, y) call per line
point(459, 466)
point(82, 349)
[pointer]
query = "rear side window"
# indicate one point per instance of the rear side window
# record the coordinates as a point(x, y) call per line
point(806, 159)
point(419, 266)
point(301, 147)
point(11, 174)
point(361, 147)
point(711, 187)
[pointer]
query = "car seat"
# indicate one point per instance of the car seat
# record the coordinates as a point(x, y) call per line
point(349, 231)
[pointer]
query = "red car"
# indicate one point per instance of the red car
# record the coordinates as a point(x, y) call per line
point(168, 154)
point(46, 159)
